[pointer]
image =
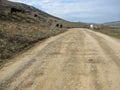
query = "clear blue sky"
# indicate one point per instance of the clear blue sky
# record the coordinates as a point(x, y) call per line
point(95, 11)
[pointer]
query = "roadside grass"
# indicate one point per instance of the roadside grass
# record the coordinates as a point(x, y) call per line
point(111, 31)
point(16, 37)
point(21, 30)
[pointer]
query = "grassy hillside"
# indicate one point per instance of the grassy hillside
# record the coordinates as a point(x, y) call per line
point(111, 31)
point(113, 24)
point(21, 26)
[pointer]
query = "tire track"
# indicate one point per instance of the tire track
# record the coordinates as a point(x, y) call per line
point(106, 48)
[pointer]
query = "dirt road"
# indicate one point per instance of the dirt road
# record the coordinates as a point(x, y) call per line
point(79, 59)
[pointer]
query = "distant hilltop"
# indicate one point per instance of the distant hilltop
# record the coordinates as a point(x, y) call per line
point(113, 24)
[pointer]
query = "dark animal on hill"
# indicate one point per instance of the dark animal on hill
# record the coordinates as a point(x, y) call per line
point(61, 26)
point(35, 15)
point(57, 25)
point(15, 10)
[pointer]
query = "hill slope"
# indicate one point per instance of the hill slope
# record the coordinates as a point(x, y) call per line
point(24, 13)
point(21, 26)
point(114, 24)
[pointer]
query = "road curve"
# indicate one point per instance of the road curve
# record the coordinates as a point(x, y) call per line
point(79, 59)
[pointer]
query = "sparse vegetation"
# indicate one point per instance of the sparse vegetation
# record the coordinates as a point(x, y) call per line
point(16, 37)
point(112, 31)
point(21, 26)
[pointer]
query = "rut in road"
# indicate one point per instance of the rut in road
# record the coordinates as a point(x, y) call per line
point(79, 59)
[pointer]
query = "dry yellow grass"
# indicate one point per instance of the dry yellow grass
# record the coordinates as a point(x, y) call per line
point(112, 31)
point(20, 30)
point(16, 37)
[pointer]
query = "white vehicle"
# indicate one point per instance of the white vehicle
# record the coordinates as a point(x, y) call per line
point(91, 26)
